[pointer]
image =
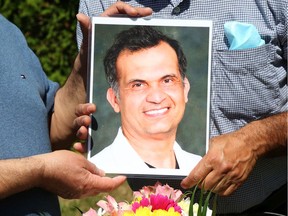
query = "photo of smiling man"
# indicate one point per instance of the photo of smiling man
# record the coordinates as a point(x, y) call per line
point(150, 83)
point(146, 70)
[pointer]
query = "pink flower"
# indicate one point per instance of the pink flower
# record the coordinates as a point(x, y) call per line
point(144, 202)
point(170, 192)
point(112, 207)
point(150, 200)
point(91, 212)
point(123, 206)
point(144, 192)
point(160, 201)
point(109, 206)
point(155, 202)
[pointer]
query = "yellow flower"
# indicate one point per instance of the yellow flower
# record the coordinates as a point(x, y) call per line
point(143, 211)
point(161, 212)
point(128, 213)
point(153, 201)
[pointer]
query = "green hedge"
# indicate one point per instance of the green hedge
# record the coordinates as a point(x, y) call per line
point(49, 27)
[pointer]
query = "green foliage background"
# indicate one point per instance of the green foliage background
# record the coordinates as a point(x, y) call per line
point(49, 27)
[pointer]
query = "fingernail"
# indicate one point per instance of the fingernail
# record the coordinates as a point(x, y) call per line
point(183, 185)
point(78, 134)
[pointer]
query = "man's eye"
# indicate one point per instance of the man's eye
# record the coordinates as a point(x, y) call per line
point(137, 85)
point(168, 80)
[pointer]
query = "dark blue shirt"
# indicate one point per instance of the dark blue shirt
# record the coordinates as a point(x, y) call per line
point(26, 102)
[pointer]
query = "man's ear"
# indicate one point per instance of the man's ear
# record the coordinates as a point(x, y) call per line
point(113, 100)
point(186, 89)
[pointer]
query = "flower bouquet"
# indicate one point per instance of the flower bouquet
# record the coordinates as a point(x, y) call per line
point(157, 200)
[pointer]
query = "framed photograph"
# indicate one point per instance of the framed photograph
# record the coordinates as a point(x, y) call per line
point(112, 146)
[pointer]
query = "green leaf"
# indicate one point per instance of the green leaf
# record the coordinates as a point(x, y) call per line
point(199, 213)
point(191, 212)
point(214, 205)
point(206, 204)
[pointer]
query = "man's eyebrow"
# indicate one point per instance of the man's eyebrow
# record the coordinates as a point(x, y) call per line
point(174, 76)
point(163, 77)
point(135, 80)
point(169, 75)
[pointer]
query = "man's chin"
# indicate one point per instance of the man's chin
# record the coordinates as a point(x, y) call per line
point(160, 131)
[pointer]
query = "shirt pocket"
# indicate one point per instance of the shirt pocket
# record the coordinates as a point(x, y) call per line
point(245, 84)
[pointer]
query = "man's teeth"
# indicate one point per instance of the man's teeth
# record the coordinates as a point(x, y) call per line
point(154, 112)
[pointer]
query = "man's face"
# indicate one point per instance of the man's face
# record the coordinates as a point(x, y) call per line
point(152, 95)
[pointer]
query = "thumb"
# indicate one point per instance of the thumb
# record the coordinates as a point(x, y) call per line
point(94, 169)
point(84, 24)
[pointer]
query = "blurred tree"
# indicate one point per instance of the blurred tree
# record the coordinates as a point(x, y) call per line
point(49, 27)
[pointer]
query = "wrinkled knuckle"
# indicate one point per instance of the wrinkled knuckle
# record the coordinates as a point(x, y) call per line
point(214, 160)
point(225, 167)
point(75, 123)
point(235, 175)
point(208, 165)
point(77, 110)
point(194, 178)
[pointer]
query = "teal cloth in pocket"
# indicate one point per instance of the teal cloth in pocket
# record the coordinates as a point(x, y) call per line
point(242, 35)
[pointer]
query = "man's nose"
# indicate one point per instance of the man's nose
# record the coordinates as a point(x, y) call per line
point(156, 94)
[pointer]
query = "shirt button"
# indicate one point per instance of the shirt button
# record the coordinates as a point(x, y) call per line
point(176, 10)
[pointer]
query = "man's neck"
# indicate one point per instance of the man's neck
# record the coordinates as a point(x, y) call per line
point(154, 150)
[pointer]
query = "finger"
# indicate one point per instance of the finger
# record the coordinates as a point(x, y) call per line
point(142, 12)
point(229, 190)
point(99, 182)
point(218, 186)
point(82, 133)
point(85, 109)
point(80, 147)
point(82, 121)
point(81, 126)
point(216, 181)
point(197, 174)
point(92, 168)
point(106, 184)
point(124, 8)
point(119, 8)
point(84, 24)
point(235, 181)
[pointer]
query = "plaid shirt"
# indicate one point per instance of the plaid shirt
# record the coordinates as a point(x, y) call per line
point(247, 85)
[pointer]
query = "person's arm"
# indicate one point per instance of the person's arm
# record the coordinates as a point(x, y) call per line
point(62, 125)
point(231, 157)
point(64, 173)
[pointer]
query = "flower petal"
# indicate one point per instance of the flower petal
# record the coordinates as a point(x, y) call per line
point(90, 212)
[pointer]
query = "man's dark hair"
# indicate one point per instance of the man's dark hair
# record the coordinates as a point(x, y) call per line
point(135, 39)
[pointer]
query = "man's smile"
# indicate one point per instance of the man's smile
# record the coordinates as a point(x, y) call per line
point(156, 111)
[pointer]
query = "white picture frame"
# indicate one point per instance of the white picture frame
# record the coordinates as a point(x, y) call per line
point(195, 37)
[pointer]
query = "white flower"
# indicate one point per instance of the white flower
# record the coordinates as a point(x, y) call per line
point(196, 207)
